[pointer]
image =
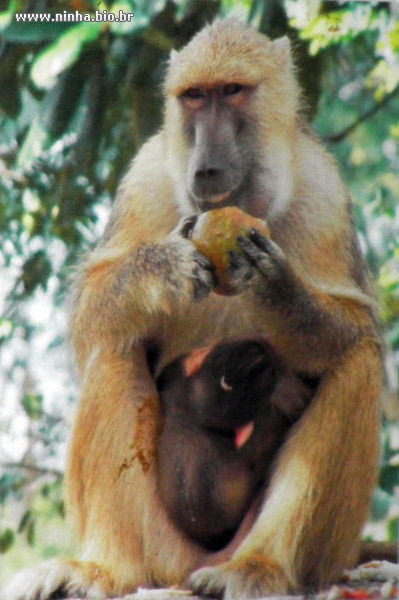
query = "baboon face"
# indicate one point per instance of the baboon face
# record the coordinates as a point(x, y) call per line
point(216, 131)
point(230, 94)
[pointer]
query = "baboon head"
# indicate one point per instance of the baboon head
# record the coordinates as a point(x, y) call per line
point(231, 93)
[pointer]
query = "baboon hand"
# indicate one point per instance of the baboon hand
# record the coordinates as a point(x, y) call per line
point(203, 272)
point(266, 257)
point(240, 272)
point(185, 226)
point(204, 276)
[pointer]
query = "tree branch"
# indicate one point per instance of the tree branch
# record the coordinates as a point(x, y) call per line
point(338, 137)
point(33, 468)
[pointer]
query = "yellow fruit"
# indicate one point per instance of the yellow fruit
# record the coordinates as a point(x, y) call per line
point(216, 232)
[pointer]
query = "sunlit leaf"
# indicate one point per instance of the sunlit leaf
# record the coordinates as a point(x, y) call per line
point(28, 222)
point(394, 38)
point(150, 8)
point(389, 277)
point(358, 156)
point(6, 328)
point(128, 21)
point(63, 53)
point(337, 26)
point(5, 18)
point(393, 529)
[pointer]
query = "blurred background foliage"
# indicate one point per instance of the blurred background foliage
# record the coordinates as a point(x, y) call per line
point(77, 99)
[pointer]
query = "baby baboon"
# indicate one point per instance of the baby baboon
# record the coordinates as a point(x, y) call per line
point(221, 430)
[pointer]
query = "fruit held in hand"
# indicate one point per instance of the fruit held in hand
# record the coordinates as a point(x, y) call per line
point(216, 232)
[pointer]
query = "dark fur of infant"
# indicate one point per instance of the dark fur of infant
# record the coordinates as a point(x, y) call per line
point(221, 432)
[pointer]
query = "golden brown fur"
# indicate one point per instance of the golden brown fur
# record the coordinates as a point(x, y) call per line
point(137, 286)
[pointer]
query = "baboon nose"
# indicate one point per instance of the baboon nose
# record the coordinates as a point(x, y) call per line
point(210, 173)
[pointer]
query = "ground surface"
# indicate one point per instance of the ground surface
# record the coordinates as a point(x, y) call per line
point(377, 580)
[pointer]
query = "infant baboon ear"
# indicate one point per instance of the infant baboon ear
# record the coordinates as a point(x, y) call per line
point(194, 361)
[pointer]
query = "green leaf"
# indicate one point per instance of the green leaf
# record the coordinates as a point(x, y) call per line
point(7, 538)
point(24, 521)
point(46, 490)
point(36, 139)
point(148, 8)
point(11, 483)
point(31, 534)
point(389, 478)
point(63, 53)
point(393, 335)
point(389, 277)
point(158, 39)
point(36, 271)
point(5, 18)
point(381, 504)
point(33, 405)
point(33, 31)
point(60, 507)
point(6, 328)
point(131, 23)
point(393, 529)
point(394, 38)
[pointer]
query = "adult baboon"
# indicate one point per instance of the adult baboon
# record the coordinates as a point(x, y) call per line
point(232, 136)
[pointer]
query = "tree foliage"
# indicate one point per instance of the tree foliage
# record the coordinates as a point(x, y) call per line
point(77, 99)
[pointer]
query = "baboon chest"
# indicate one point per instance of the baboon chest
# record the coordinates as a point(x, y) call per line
point(213, 320)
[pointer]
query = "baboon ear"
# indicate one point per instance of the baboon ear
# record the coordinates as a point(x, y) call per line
point(173, 56)
point(282, 50)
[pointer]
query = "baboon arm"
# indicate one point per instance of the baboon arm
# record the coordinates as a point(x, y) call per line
point(318, 328)
point(121, 297)
point(139, 270)
point(314, 506)
point(314, 310)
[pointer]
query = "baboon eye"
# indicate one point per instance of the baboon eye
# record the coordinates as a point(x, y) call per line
point(232, 88)
point(194, 93)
